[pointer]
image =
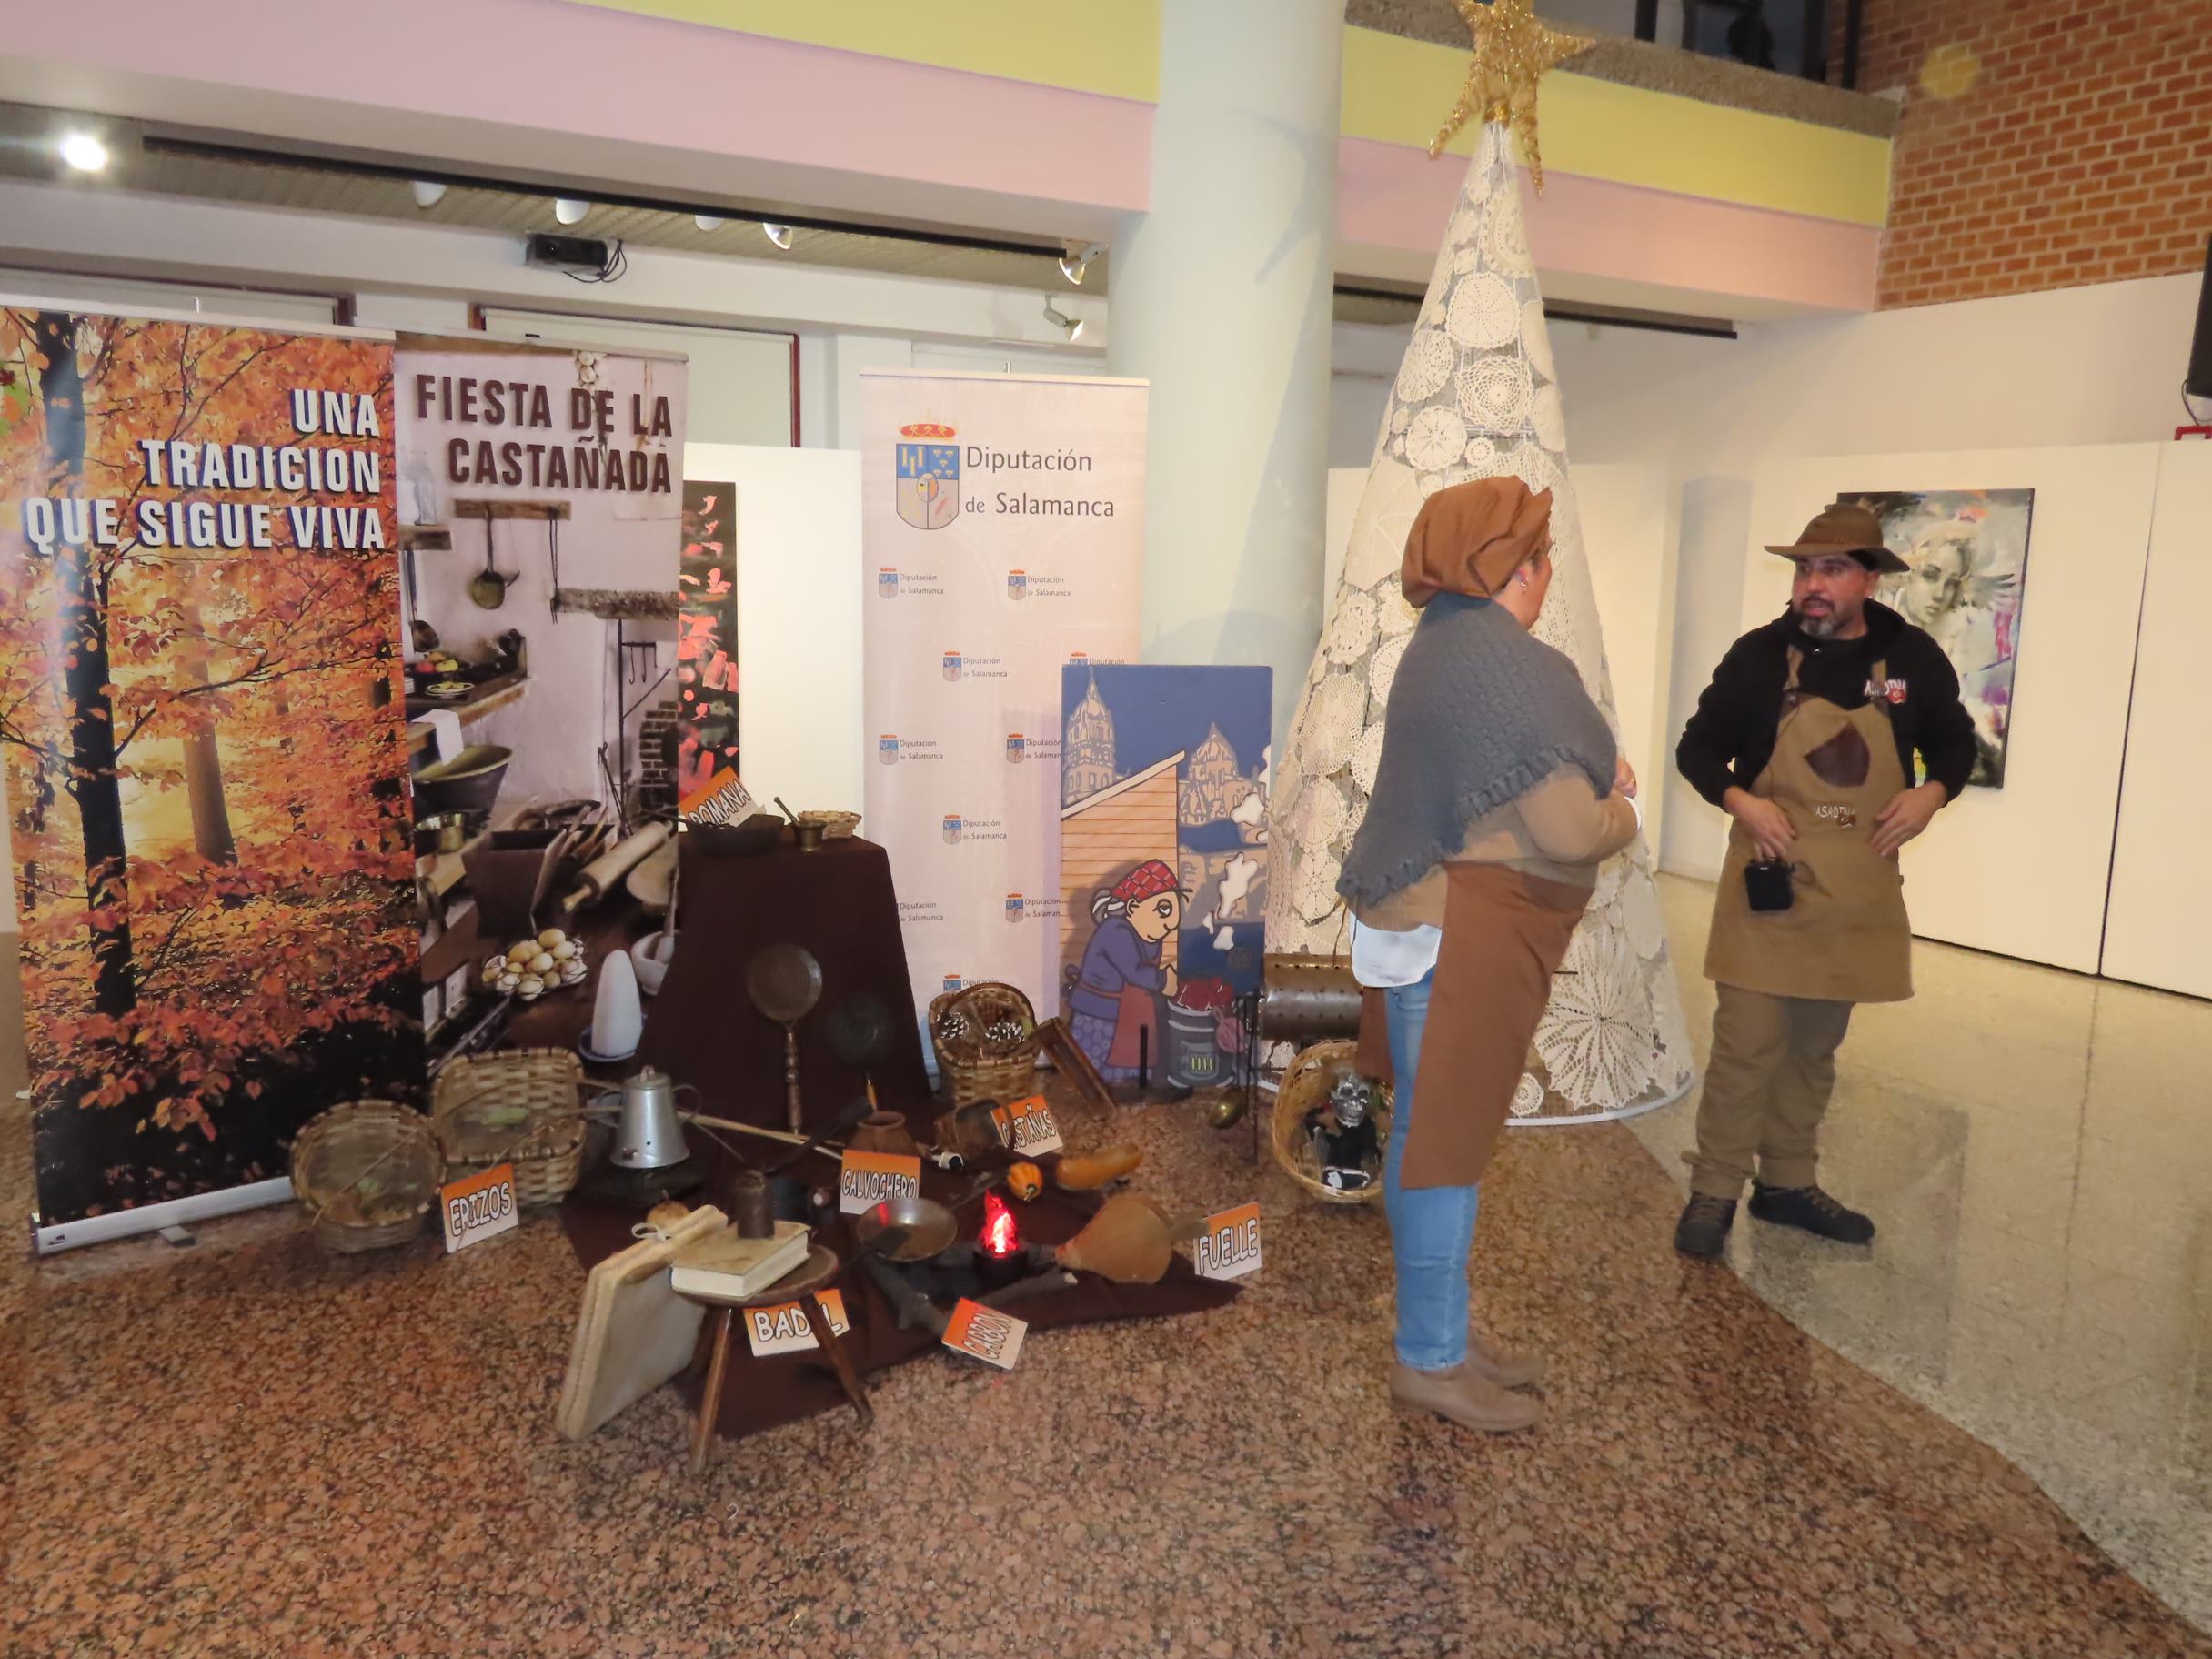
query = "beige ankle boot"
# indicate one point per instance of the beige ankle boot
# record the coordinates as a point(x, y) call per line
point(1502, 1366)
point(1465, 1397)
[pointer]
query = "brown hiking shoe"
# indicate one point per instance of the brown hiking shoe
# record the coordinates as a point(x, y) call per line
point(1506, 1369)
point(1464, 1396)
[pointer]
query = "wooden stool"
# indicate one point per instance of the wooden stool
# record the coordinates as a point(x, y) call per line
point(816, 1273)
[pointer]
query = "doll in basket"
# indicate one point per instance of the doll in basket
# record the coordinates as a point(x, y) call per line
point(1116, 991)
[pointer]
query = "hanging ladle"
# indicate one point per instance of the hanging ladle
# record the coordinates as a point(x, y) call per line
point(489, 588)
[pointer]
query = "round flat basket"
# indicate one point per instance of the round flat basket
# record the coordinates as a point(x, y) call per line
point(367, 1172)
point(1306, 1082)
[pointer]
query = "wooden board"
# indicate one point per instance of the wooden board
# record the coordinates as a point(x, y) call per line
point(633, 1332)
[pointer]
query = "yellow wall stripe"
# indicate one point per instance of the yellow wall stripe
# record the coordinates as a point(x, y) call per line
point(1111, 48)
point(1397, 90)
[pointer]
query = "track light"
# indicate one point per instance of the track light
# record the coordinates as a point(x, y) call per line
point(427, 193)
point(1077, 260)
point(83, 153)
point(1073, 325)
point(780, 234)
point(568, 209)
point(709, 221)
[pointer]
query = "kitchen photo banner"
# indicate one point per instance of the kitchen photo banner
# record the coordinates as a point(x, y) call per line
point(200, 710)
point(1003, 525)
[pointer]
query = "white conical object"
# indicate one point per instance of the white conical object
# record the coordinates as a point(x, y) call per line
point(1476, 397)
point(617, 1017)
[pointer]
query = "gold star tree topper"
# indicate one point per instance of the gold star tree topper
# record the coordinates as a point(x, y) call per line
point(1511, 52)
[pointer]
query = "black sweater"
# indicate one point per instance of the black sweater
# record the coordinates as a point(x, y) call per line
point(1730, 739)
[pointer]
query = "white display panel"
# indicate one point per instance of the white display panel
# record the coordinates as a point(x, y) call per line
point(2021, 870)
point(798, 620)
point(2158, 924)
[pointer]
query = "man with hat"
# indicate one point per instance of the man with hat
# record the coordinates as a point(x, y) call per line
point(1806, 739)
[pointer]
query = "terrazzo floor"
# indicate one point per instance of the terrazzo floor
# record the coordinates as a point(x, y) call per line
point(2036, 1147)
point(246, 1448)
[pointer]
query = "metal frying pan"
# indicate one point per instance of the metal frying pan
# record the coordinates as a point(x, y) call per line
point(785, 982)
point(912, 1228)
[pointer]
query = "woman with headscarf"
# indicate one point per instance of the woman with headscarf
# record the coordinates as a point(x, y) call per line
point(1113, 1001)
point(1499, 791)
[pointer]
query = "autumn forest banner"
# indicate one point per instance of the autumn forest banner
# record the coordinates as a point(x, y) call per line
point(205, 742)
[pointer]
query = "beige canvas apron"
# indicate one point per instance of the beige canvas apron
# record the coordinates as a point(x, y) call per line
point(1845, 939)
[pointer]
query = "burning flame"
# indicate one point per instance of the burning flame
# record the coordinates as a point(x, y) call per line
point(999, 1233)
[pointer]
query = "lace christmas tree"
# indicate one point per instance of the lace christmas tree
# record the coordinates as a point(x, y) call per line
point(1476, 397)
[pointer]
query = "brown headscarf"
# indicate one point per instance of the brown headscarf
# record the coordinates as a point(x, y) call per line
point(1471, 537)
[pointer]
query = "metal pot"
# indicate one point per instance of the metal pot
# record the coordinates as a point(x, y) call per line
point(469, 782)
point(648, 1135)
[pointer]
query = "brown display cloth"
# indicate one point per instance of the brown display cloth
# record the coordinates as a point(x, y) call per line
point(703, 1030)
point(762, 1393)
point(838, 902)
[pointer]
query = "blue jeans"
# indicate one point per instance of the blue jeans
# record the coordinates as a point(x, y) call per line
point(1432, 1229)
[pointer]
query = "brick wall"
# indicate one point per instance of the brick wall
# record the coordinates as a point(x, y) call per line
point(2046, 143)
point(655, 783)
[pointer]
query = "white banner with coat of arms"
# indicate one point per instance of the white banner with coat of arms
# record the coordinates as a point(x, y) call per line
point(1003, 527)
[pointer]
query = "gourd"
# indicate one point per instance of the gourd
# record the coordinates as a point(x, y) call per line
point(1026, 1180)
point(1086, 1171)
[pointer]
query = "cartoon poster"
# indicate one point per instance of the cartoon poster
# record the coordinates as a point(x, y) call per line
point(200, 706)
point(1163, 863)
point(1968, 553)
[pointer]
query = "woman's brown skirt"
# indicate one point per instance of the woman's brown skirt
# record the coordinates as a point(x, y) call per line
point(1504, 935)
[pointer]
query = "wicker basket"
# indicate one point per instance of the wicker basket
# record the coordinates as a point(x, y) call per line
point(836, 826)
point(367, 1172)
point(1305, 1085)
point(521, 1106)
point(972, 1070)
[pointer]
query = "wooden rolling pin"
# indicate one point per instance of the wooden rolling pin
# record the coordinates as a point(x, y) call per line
point(598, 876)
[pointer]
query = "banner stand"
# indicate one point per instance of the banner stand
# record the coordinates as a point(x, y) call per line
point(1003, 525)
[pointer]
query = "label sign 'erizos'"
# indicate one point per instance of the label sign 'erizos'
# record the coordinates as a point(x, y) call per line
point(480, 1206)
point(868, 1178)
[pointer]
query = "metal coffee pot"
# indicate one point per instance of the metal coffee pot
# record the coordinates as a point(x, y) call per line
point(647, 1133)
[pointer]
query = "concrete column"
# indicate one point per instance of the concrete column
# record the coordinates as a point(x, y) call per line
point(1221, 298)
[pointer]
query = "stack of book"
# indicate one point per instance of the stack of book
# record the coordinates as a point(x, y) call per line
point(723, 1267)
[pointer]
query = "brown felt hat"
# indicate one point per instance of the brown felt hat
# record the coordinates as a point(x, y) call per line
point(1840, 527)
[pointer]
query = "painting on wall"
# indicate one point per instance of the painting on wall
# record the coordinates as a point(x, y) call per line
point(1163, 864)
point(1968, 553)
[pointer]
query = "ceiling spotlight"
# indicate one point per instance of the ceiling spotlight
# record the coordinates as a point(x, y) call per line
point(83, 153)
point(709, 221)
point(1077, 260)
point(1073, 325)
point(780, 234)
point(429, 193)
point(568, 209)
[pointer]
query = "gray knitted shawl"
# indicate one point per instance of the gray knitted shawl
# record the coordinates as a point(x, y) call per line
point(1480, 714)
